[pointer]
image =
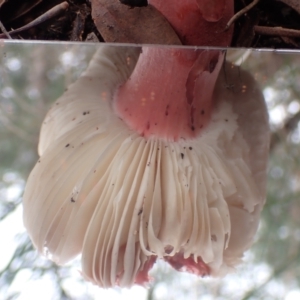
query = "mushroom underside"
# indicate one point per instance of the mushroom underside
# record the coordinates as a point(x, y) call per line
point(123, 200)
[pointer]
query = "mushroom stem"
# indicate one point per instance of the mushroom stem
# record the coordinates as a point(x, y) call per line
point(169, 94)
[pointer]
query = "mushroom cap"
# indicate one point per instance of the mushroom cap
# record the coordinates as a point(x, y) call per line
point(123, 200)
point(199, 22)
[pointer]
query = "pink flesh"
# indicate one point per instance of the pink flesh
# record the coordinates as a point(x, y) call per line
point(198, 22)
point(212, 10)
point(142, 276)
point(169, 94)
point(179, 263)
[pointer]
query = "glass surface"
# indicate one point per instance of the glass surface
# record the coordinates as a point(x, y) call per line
point(34, 75)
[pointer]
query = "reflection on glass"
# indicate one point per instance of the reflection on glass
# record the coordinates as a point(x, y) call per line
point(127, 178)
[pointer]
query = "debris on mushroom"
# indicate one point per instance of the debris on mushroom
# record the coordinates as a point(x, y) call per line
point(153, 153)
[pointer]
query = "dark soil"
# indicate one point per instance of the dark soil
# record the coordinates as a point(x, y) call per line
point(76, 24)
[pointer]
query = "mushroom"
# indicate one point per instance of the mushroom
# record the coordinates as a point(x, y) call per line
point(151, 153)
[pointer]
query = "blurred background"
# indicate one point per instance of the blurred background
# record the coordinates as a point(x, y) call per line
point(34, 75)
